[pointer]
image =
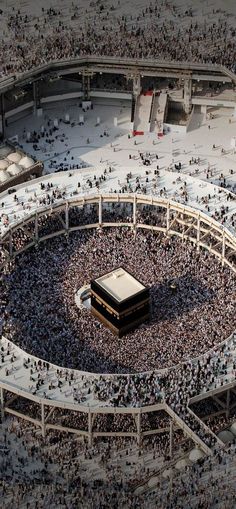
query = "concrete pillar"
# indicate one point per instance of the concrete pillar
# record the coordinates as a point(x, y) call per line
point(86, 76)
point(136, 85)
point(223, 249)
point(227, 403)
point(171, 439)
point(198, 233)
point(36, 96)
point(67, 216)
point(2, 402)
point(43, 419)
point(139, 428)
point(36, 228)
point(187, 95)
point(90, 428)
point(10, 244)
point(3, 116)
point(134, 210)
point(100, 211)
point(168, 218)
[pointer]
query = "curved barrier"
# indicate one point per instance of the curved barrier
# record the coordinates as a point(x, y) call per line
point(165, 216)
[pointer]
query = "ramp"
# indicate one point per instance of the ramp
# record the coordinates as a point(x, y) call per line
point(142, 113)
point(158, 113)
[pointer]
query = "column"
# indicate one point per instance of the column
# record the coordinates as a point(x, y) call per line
point(90, 438)
point(36, 96)
point(136, 85)
point(36, 228)
point(187, 95)
point(2, 402)
point(139, 428)
point(198, 233)
point(67, 216)
point(168, 218)
point(134, 210)
point(227, 403)
point(86, 76)
point(10, 244)
point(43, 419)
point(223, 249)
point(3, 116)
point(100, 211)
point(171, 439)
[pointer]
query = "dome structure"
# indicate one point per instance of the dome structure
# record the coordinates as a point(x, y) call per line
point(181, 464)
point(226, 436)
point(14, 157)
point(167, 473)
point(4, 164)
point(14, 169)
point(195, 454)
point(26, 162)
point(232, 428)
point(3, 176)
point(4, 151)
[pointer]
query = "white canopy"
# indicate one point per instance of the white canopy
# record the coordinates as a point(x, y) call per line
point(4, 164)
point(233, 428)
point(26, 162)
point(3, 176)
point(152, 482)
point(4, 151)
point(181, 464)
point(14, 169)
point(14, 157)
point(225, 436)
point(195, 454)
point(167, 473)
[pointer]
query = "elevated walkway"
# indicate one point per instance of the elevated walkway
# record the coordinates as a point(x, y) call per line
point(203, 437)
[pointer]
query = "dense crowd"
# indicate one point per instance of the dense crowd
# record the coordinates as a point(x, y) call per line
point(161, 29)
point(41, 476)
point(40, 313)
point(193, 301)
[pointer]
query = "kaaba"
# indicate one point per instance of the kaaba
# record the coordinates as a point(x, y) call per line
point(120, 301)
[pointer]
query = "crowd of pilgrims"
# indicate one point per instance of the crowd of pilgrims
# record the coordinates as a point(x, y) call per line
point(39, 468)
point(192, 300)
point(160, 30)
point(40, 314)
